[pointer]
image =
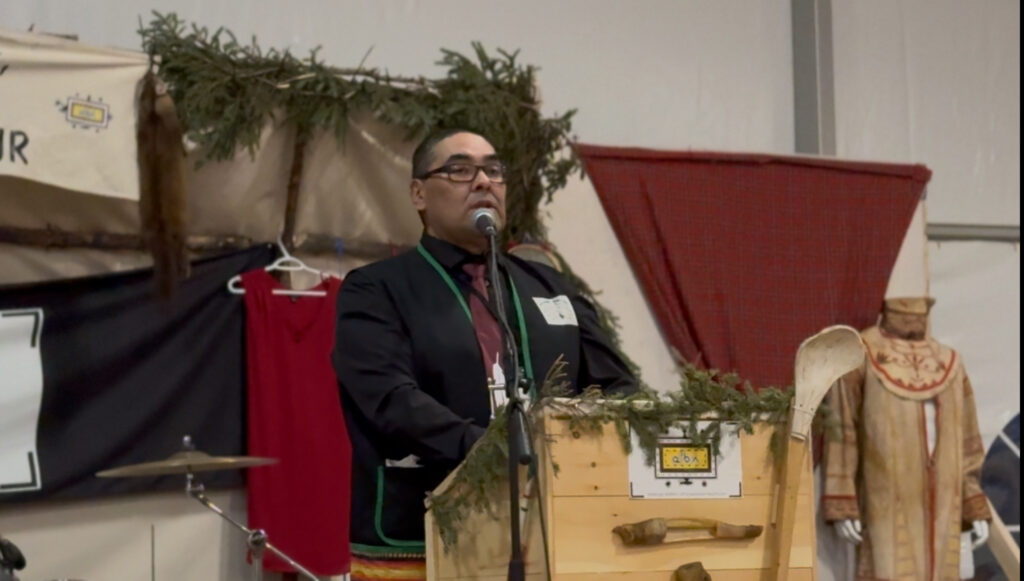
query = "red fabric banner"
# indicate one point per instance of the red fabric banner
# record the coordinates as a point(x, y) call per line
point(742, 256)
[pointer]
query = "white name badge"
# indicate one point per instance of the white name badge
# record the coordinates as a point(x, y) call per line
point(557, 310)
point(410, 461)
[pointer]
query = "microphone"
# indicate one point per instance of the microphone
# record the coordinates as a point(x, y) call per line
point(485, 221)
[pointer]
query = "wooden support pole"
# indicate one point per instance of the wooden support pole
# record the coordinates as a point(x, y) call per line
point(294, 185)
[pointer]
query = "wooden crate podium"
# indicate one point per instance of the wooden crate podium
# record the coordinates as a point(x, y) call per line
point(590, 496)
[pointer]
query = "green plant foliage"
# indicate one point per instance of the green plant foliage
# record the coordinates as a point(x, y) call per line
point(227, 91)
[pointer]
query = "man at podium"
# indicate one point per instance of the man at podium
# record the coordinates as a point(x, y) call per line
point(421, 357)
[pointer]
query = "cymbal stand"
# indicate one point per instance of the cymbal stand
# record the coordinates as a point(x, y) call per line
point(257, 539)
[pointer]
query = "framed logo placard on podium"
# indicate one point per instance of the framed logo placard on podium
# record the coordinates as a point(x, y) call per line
point(684, 469)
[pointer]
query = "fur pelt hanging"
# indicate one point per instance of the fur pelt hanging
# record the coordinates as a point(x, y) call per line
point(162, 193)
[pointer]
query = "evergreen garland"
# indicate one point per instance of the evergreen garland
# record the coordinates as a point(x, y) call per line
point(706, 396)
point(226, 91)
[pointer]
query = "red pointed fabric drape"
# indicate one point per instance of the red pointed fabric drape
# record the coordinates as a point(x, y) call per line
point(742, 257)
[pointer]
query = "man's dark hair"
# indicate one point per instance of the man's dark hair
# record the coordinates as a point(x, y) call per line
point(421, 158)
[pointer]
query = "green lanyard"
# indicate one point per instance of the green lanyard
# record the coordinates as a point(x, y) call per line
point(524, 338)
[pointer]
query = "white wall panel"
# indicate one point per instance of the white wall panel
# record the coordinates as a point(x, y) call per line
point(977, 312)
point(657, 73)
point(935, 82)
point(130, 537)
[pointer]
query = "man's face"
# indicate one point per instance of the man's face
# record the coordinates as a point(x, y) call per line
point(448, 206)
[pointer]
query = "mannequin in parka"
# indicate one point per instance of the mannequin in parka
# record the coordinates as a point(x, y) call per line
point(903, 480)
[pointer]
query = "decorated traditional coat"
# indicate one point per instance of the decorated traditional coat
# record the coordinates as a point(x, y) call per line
point(912, 503)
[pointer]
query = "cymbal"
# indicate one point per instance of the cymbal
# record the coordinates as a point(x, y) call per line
point(184, 462)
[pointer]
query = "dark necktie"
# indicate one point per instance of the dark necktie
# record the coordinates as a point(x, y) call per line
point(488, 332)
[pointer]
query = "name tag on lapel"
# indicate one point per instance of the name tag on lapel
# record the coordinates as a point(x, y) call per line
point(557, 310)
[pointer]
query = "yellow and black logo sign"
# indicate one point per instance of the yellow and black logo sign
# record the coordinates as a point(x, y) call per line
point(86, 113)
point(685, 458)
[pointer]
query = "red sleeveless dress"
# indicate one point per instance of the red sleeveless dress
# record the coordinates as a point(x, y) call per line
point(294, 415)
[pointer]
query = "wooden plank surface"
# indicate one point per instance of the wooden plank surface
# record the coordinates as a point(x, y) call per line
point(584, 541)
point(483, 549)
point(591, 495)
point(1003, 546)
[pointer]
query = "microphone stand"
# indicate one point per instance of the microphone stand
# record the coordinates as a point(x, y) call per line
point(256, 538)
point(520, 450)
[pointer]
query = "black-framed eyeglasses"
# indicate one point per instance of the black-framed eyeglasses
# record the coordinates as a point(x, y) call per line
point(462, 172)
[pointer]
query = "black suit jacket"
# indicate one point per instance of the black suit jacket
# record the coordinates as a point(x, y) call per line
point(413, 382)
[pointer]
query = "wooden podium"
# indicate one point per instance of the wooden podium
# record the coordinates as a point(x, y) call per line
point(590, 495)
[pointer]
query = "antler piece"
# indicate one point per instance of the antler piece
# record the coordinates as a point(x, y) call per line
point(648, 532)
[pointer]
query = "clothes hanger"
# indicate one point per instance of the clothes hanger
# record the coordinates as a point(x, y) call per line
point(288, 263)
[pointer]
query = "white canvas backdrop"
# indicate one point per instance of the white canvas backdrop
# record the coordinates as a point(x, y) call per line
point(67, 113)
